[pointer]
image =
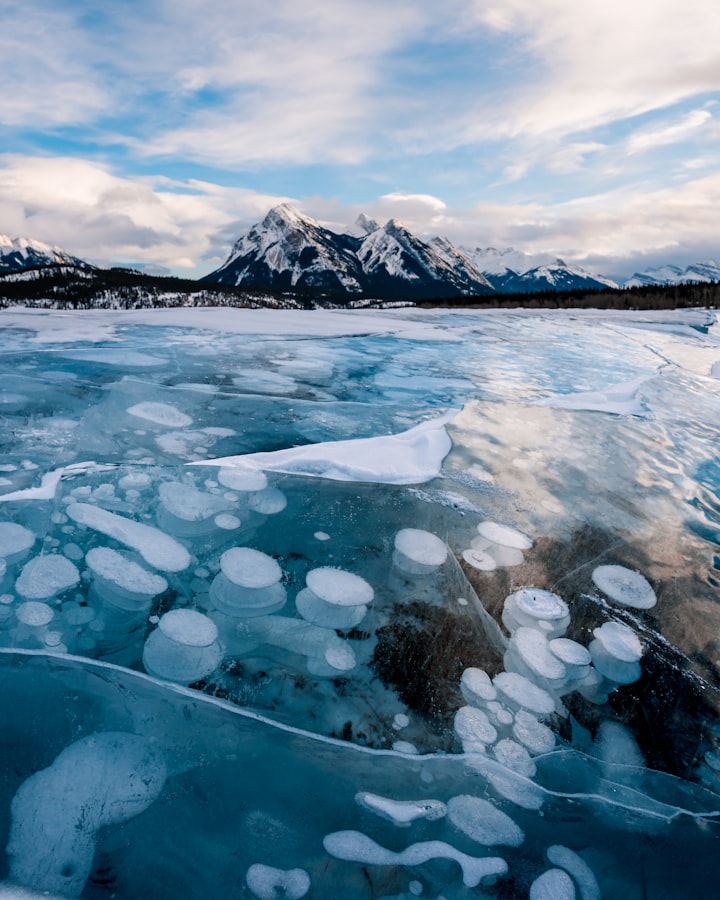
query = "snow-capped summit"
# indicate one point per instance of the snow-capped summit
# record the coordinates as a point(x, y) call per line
point(291, 250)
point(512, 271)
point(395, 261)
point(701, 272)
point(559, 276)
point(362, 226)
point(18, 254)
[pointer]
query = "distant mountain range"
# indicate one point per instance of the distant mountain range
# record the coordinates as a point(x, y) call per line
point(20, 254)
point(289, 251)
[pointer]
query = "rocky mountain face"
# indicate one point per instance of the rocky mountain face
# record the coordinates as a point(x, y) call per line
point(21, 254)
point(290, 250)
point(697, 273)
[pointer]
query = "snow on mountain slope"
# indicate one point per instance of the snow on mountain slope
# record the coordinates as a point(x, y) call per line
point(291, 250)
point(18, 254)
point(696, 272)
point(559, 276)
point(392, 257)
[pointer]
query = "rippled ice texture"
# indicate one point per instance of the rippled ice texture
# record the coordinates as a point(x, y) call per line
point(595, 434)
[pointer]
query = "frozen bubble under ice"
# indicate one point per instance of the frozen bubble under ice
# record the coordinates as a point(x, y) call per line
point(188, 627)
point(34, 613)
point(479, 559)
point(338, 587)
point(250, 568)
point(421, 546)
point(624, 587)
point(555, 884)
point(483, 822)
point(473, 726)
point(15, 541)
point(514, 756)
point(156, 548)
point(620, 641)
point(268, 502)
point(164, 414)
point(504, 535)
point(268, 883)
point(242, 478)
point(328, 615)
point(476, 686)
point(227, 522)
point(121, 572)
point(521, 692)
point(45, 576)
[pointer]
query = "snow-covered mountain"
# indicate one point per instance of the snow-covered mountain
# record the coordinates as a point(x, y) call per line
point(696, 273)
point(395, 261)
point(290, 250)
point(514, 272)
point(19, 254)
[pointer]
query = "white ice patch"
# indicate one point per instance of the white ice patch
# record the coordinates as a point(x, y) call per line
point(338, 587)
point(401, 812)
point(620, 399)
point(624, 586)
point(14, 539)
point(567, 859)
point(504, 535)
point(267, 883)
point(156, 548)
point(101, 780)
point(354, 846)
point(164, 414)
point(411, 457)
point(482, 822)
point(243, 478)
point(113, 356)
point(555, 884)
point(45, 576)
point(123, 572)
point(250, 568)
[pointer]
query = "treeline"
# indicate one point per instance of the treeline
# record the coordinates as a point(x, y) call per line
point(664, 296)
point(62, 287)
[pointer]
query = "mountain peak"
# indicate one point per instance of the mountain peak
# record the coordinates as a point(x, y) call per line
point(18, 254)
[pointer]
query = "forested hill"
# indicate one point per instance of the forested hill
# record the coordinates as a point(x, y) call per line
point(67, 287)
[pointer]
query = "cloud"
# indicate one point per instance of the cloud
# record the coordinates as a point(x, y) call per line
point(649, 138)
point(589, 64)
point(106, 218)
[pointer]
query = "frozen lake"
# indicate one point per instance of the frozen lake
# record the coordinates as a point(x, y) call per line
point(360, 604)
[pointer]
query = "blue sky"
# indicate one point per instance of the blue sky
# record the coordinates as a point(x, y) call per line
point(158, 132)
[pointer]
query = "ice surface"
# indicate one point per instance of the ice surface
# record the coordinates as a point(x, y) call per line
point(157, 549)
point(100, 780)
point(412, 457)
point(289, 718)
point(625, 587)
point(620, 399)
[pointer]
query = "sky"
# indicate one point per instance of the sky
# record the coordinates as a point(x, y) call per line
point(158, 132)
